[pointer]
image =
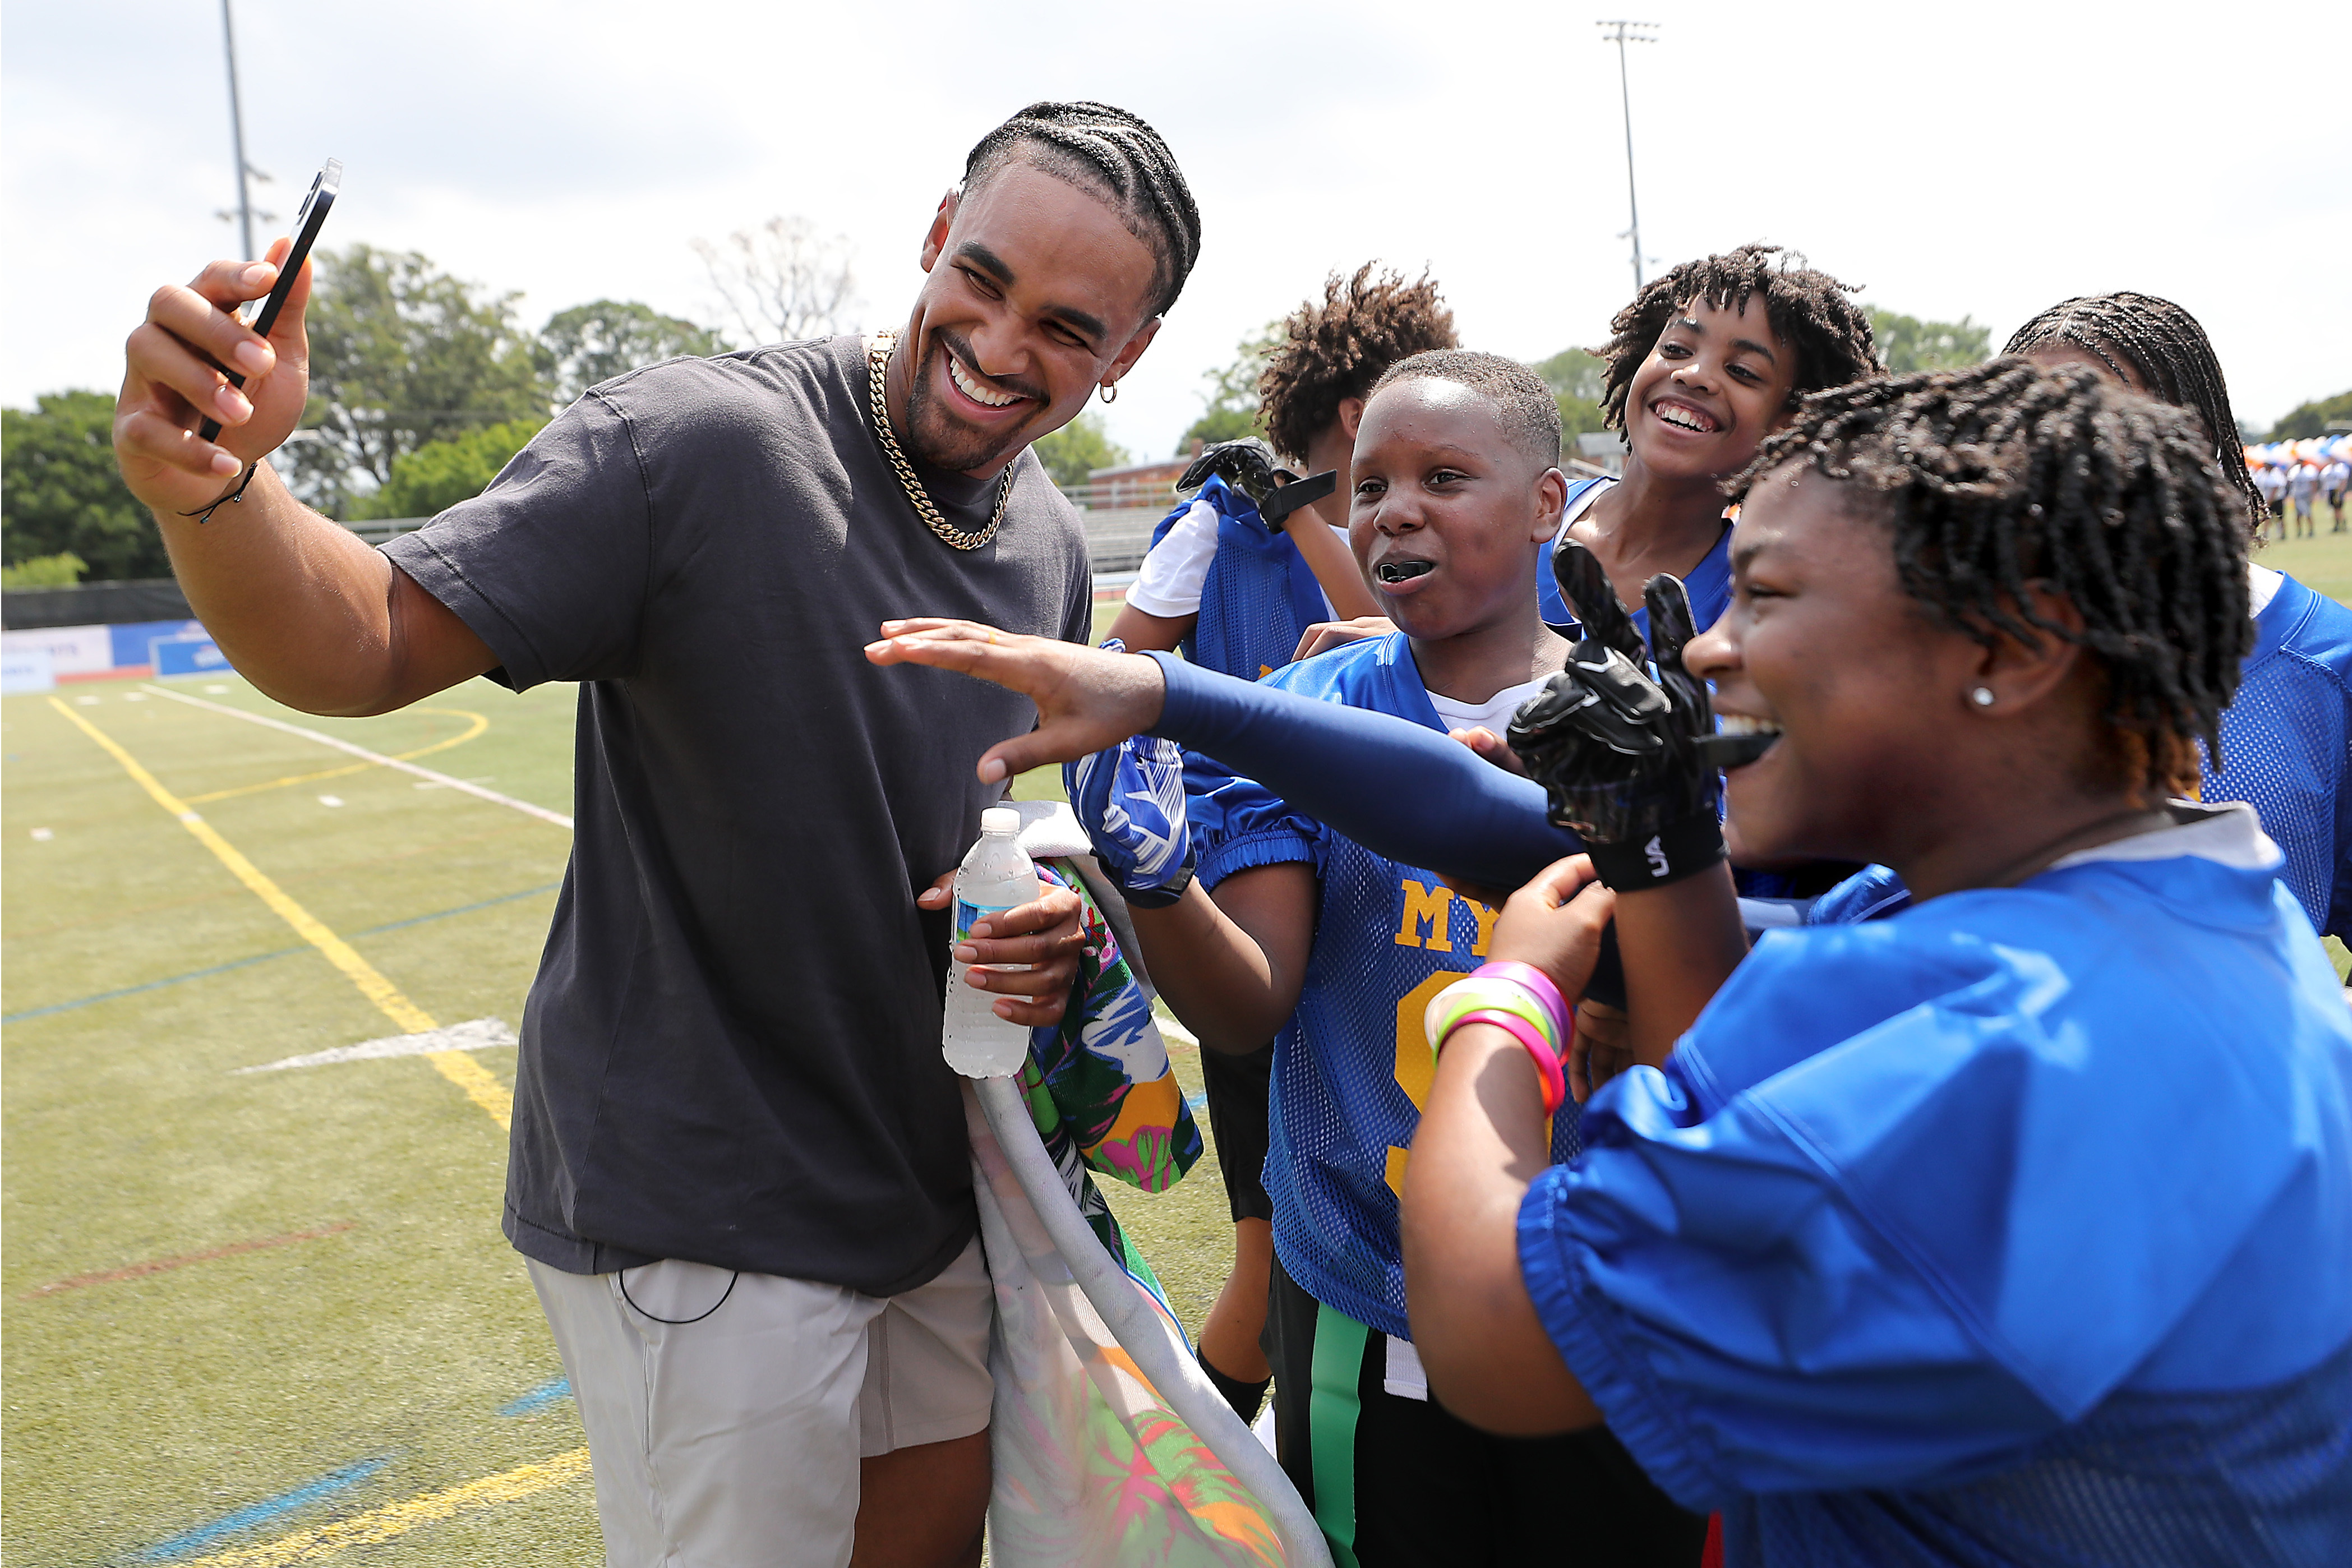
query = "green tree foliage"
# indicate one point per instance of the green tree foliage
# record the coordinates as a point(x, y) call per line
point(1576, 379)
point(61, 571)
point(1078, 447)
point(1232, 411)
point(1907, 344)
point(2308, 419)
point(596, 342)
point(62, 494)
point(440, 474)
point(402, 354)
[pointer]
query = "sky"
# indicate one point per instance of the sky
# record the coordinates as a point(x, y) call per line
point(1987, 160)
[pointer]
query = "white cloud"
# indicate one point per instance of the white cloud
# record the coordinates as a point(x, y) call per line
point(1989, 161)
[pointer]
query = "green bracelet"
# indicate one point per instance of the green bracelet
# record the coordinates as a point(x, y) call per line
point(1488, 993)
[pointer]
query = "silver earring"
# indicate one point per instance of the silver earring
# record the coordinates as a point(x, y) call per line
point(1981, 697)
point(1108, 392)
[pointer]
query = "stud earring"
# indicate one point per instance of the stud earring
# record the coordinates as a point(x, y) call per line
point(1981, 697)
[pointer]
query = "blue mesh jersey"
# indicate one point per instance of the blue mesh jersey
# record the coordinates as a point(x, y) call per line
point(2286, 746)
point(1352, 1067)
point(1708, 584)
point(1260, 595)
point(2015, 1227)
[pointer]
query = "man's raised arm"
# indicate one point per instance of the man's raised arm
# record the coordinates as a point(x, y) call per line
point(301, 606)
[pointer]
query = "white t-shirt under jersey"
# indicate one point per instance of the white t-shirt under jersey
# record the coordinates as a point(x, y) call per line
point(1495, 713)
point(1169, 583)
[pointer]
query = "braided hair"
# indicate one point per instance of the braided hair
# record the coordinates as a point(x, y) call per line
point(1335, 349)
point(2168, 354)
point(1524, 404)
point(1809, 311)
point(1113, 154)
point(2002, 477)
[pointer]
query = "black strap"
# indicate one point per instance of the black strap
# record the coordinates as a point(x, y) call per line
point(1679, 849)
point(204, 513)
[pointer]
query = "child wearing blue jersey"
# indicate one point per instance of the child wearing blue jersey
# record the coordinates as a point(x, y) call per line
point(2285, 743)
point(2013, 1227)
point(1238, 596)
point(1292, 927)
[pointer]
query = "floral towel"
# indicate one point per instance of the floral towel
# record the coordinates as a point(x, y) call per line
point(1099, 1082)
point(1091, 1467)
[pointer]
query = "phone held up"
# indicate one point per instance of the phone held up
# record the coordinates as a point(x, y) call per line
point(308, 220)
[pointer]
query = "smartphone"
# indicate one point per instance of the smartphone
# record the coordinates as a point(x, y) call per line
point(308, 219)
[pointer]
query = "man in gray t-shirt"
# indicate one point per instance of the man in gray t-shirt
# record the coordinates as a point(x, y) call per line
point(739, 1167)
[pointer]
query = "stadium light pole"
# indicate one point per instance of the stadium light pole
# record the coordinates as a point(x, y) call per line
point(237, 137)
point(1624, 33)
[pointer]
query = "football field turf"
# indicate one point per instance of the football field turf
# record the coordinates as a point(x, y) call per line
point(261, 1317)
point(268, 1318)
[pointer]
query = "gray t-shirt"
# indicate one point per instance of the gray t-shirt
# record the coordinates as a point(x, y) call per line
point(732, 1052)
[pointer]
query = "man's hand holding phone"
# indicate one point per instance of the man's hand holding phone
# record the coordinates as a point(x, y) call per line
point(185, 429)
point(174, 381)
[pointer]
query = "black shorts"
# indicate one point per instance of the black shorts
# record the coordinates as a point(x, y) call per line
point(1403, 1482)
point(1237, 1097)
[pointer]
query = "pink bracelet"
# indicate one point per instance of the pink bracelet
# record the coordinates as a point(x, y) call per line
point(1555, 1084)
point(1534, 980)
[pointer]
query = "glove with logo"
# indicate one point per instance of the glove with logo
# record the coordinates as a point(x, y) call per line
point(1130, 799)
point(1622, 752)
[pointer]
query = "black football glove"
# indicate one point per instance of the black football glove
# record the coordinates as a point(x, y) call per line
point(1623, 755)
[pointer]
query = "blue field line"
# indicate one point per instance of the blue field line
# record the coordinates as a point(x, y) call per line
point(266, 957)
point(189, 1543)
point(552, 1391)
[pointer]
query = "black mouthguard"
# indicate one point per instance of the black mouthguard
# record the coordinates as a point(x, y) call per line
point(1734, 750)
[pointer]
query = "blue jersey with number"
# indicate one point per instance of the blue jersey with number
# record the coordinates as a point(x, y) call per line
point(1259, 597)
point(2015, 1227)
point(1353, 1066)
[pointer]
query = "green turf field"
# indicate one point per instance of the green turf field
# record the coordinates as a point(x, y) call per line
point(2325, 561)
point(265, 1319)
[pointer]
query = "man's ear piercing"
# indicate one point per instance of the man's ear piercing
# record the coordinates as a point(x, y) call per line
point(1982, 696)
point(1108, 391)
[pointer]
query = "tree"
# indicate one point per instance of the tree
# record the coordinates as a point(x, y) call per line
point(1077, 449)
point(63, 494)
point(2308, 419)
point(1232, 411)
point(784, 281)
point(595, 342)
point(401, 355)
point(1577, 380)
point(60, 571)
point(439, 474)
point(1907, 344)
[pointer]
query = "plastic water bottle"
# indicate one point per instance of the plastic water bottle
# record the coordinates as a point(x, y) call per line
point(996, 877)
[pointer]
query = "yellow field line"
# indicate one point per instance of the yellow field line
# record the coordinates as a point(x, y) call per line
point(394, 1520)
point(480, 724)
point(459, 1068)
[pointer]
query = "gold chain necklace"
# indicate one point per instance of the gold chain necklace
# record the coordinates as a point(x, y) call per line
point(877, 369)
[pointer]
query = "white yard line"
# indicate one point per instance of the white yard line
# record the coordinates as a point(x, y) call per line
point(493, 796)
point(479, 1034)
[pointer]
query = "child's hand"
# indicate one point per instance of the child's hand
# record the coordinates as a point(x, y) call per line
point(1085, 698)
point(1555, 923)
point(1325, 635)
point(1604, 1047)
point(1492, 747)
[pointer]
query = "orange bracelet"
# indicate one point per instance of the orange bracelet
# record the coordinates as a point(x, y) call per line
point(1555, 1083)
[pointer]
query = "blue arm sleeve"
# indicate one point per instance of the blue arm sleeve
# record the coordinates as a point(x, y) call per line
point(1398, 789)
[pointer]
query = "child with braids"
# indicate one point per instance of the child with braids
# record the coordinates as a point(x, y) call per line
point(2015, 1227)
point(1238, 596)
point(2285, 740)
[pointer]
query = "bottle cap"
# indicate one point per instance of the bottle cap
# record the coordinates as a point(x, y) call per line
point(999, 819)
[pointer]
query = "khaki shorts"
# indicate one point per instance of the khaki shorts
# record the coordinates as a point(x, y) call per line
point(728, 1411)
